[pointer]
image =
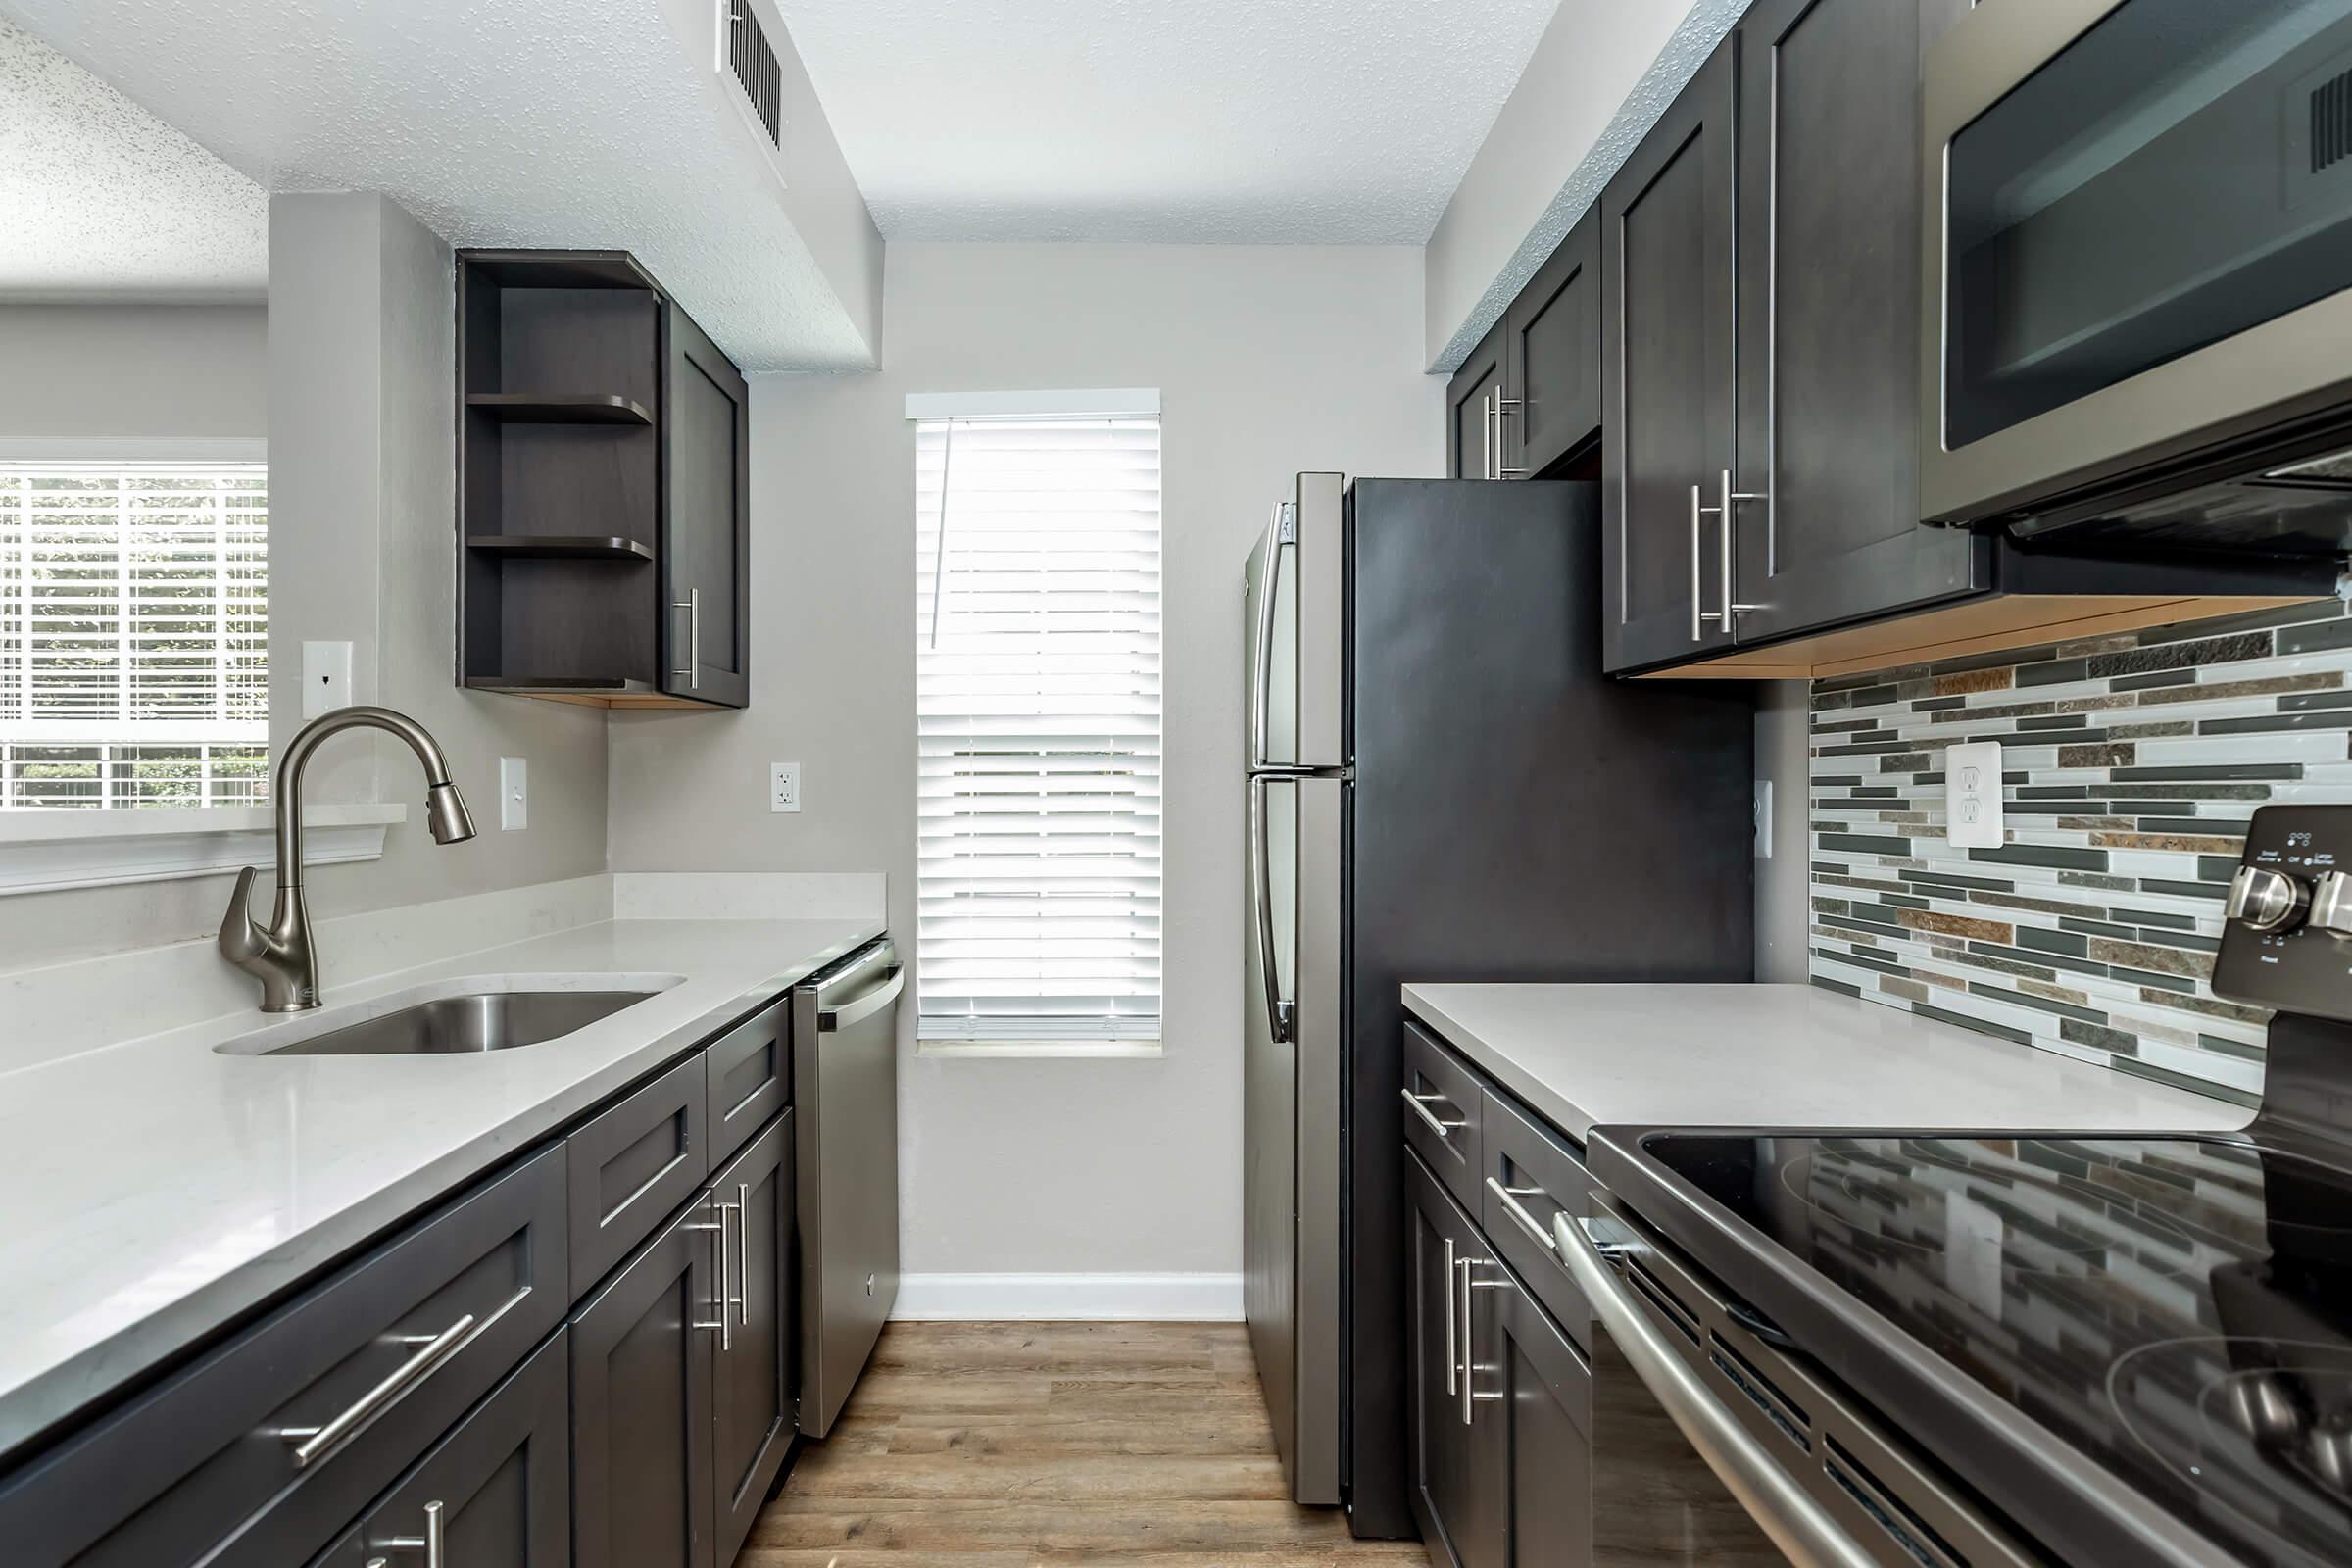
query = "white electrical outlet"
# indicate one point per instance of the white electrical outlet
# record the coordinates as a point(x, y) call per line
point(783, 786)
point(513, 793)
point(326, 678)
point(1971, 796)
point(1763, 819)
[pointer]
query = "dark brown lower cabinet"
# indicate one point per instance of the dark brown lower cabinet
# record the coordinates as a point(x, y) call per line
point(494, 1492)
point(1500, 1403)
point(752, 1419)
point(641, 1404)
point(682, 1378)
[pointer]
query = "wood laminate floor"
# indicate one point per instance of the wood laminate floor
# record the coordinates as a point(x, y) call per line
point(1028, 1444)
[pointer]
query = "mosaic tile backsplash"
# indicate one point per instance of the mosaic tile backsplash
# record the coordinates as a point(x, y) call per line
point(2130, 764)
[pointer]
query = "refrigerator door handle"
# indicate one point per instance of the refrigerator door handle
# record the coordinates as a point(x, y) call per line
point(1280, 1017)
point(1282, 528)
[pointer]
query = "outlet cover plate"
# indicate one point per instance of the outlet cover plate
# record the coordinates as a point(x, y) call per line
point(1971, 796)
point(326, 678)
point(513, 793)
point(783, 786)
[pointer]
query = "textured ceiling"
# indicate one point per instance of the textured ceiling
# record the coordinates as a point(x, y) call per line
point(100, 200)
point(586, 124)
point(1274, 121)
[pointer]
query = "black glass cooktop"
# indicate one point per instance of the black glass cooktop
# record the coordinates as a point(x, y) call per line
point(2177, 1309)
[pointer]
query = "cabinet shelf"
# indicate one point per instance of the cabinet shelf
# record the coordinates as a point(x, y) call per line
point(560, 408)
point(560, 546)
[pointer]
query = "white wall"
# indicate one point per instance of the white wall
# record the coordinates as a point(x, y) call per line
point(1268, 360)
point(88, 372)
point(1598, 79)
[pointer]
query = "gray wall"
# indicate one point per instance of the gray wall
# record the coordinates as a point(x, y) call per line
point(89, 371)
point(1268, 360)
point(359, 412)
point(1781, 879)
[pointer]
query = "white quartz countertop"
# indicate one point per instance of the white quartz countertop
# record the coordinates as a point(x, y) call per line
point(157, 1190)
point(1781, 1056)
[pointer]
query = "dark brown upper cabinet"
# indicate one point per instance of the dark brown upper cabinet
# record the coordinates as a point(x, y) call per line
point(1668, 362)
point(1760, 375)
point(1473, 399)
point(1551, 356)
point(603, 488)
point(1828, 293)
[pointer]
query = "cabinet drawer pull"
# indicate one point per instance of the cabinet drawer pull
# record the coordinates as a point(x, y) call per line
point(433, 1542)
point(1510, 1197)
point(1420, 1104)
point(312, 1442)
point(742, 1257)
point(1453, 1353)
point(692, 669)
point(722, 1298)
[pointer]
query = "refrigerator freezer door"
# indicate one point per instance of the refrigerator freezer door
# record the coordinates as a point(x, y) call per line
point(1291, 1132)
point(1293, 608)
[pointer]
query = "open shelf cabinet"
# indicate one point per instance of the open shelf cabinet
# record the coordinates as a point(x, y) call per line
point(602, 469)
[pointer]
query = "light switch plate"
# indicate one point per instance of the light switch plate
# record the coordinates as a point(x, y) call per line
point(783, 786)
point(326, 678)
point(1971, 796)
point(513, 793)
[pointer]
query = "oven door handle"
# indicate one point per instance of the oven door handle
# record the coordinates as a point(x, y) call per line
point(1786, 1511)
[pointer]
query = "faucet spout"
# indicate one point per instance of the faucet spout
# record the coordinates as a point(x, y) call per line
point(280, 955)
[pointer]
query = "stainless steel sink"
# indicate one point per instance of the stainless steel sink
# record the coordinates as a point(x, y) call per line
point(487, 1020)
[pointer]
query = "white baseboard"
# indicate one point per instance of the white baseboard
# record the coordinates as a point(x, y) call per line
point(1069, 1297)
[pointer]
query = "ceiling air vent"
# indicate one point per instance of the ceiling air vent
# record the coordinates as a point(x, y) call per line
point(2332, 121)
point(752, 76)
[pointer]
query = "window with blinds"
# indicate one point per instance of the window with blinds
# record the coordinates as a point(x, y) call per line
point(133, 635)
point(1036, 636)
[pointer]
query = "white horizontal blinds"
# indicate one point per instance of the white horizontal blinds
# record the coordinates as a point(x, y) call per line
point(134, 634)
point(1038, 720)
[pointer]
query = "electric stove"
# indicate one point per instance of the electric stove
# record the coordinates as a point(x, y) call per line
point(2134, 1349)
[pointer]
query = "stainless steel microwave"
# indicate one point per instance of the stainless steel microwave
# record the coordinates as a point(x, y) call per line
point(2137, 314)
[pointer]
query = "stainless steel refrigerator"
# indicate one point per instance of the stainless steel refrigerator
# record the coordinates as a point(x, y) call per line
point(1444, 786)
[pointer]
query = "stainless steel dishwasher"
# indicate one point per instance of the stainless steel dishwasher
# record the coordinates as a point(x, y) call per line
point(844, 1076)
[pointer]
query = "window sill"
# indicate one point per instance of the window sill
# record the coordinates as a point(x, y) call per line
point(1036, 1049)
point(47, 851)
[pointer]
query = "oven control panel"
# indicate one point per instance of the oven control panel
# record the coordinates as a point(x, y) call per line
point(2287, 941)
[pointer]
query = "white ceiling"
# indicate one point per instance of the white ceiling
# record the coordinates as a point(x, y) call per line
point(1262, 121)
point(104, 201)
point(585, 123)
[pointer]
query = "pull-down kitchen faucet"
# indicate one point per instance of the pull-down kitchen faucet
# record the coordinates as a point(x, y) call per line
point(280, 955)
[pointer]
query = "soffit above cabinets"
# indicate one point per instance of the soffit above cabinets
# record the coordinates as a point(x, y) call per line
point(1202, 121)
point(506, 124)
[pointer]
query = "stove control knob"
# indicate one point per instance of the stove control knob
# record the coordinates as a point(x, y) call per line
point(2332, 903)
point(2266, 899)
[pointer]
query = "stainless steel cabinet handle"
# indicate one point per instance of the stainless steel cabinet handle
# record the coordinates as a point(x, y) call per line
point(1697, 573)
point(1420, 1103)
point(433, 1542)
point(1471, 1366)
point(1453, 1353)
point(692, 669)
point(1723, 509)
point(831, 1020)
point(1797, 1524)
point(312, 1442)
point(1261, 906)
point(1510, 1197)
point(1485, 436)
point(720, 1298)
point(743, 1253)
point(1505, 407)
